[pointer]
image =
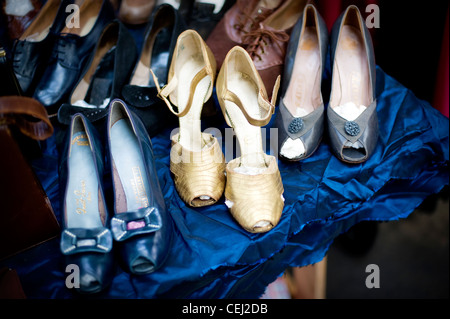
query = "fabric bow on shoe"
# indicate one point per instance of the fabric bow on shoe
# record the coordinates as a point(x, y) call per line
point(143, 221)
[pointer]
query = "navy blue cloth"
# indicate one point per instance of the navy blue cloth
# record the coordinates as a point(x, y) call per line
point(213, 257)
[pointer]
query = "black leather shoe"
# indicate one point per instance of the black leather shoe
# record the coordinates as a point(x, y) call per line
point(141, 226)
point(32, 50)
point(105, 74)
point(300, 116)
point(86, 240)
point(70, 53)
point(140, 93)
point(352, 110)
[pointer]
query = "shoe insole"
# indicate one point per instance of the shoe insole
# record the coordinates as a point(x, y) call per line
point(190, 125)
point(156, 56)
point(96, 84)
point(82, 194)
point(351, 81)
point(248, 135)
point(40, 27)
point(102, 80)
point(129, 168)
point(303, 93)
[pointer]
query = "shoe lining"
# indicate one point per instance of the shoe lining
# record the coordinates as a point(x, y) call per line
point(303, 93)
point(128, 168)
point(40, 27)
point(249, 136)
point(351, 81)
point(83, 198)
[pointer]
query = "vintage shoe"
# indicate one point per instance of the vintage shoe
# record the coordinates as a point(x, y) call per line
point(31, 51)
point(141, 226)
point(140, 93)
point(242, 18)
point(254, 188)
point(196, 159)
point(105, 74)
point(71, 52)
point(351, 114)
point(268, 42)
point(300, 116)
point(86, 240)
point(135, 11)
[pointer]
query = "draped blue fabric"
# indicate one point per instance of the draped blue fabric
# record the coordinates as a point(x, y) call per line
point(213, 257)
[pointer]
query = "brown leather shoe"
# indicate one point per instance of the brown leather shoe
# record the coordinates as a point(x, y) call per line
point(135, 11)
point(267, 44)
point(240, 19)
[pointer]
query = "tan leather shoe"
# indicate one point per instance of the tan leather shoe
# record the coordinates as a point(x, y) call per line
point(196, 159)
point(254, 188)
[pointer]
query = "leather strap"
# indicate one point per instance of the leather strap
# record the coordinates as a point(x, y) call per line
point(169, 87)
point(27, 114)
point(269, 107)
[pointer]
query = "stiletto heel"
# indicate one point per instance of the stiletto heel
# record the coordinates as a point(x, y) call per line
point(254, 189)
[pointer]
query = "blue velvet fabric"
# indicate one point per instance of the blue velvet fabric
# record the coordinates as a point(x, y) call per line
point(213, 257)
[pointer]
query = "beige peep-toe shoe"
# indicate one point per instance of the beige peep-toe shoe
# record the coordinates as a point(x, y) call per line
point(254, 188)
point(196, 158)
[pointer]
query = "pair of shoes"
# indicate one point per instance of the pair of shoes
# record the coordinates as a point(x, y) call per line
point(140, 228)
point(71, 47)
point(104, 75)
point(253, 188)
point(351, 114)
point(262, 28)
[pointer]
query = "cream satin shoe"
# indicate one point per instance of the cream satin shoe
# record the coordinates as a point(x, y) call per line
point(196, 158)
point(254, 188)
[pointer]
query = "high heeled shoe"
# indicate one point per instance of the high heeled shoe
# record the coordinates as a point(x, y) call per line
point(141, 226)
point(86, 240)
point(300, 116)
point(196, 159)
point(106, 72)
point(351, 113)
point(254, 188)
point(140, 93)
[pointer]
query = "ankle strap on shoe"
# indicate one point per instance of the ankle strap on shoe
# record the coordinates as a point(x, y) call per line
point(165, 91)
point(263, 102)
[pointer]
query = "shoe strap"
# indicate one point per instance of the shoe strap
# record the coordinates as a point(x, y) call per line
point(263, 102)
point(165, 91)
point(27, 114)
